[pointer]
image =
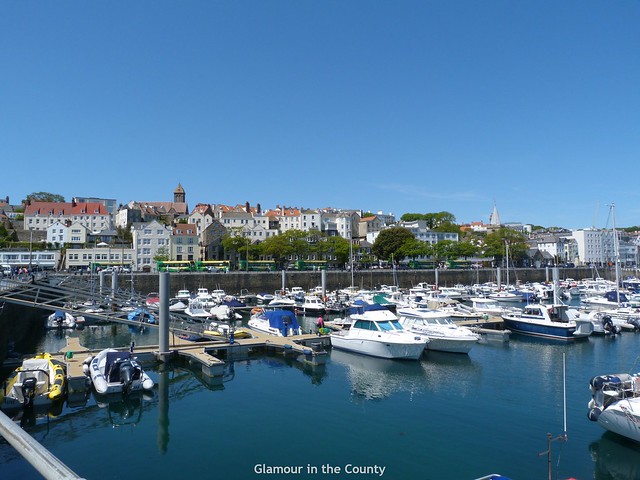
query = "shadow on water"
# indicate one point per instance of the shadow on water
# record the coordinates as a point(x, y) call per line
point(615, 457)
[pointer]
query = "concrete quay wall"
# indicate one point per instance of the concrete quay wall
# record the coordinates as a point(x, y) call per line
point(257, 282)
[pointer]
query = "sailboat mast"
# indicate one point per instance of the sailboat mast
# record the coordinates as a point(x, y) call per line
point(506, 249)
point(615, 252)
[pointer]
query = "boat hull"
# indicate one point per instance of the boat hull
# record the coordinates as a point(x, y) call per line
point(622, 418)
point(558, 332)
point(104, 385)
point(381, 349)
point(451, 345)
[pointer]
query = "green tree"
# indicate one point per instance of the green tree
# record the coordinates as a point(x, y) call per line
point(389, 243)
point(466, 249)
point(412, 248)
point(45, 197)
point(442, 250)
point(277, 247)
point(236, 244)
point(434, 220)
point(495, 244)
point(299, 241)
point(162, 255)
point(335, 246)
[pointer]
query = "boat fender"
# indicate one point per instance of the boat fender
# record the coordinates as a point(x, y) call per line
point(307, 351)
point(56, 389)
point(593, 414)
point(287, 346)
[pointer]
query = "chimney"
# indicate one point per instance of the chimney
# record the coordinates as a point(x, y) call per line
point(247, 207)
point(258, 209)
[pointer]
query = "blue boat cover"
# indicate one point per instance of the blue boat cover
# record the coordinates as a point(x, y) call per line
point(234, 304)
point(360, 306)
point(59, 314)
point(612, 296)
point(142, 315)
point(281, 319)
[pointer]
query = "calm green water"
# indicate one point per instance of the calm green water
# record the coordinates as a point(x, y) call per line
point(446, 416)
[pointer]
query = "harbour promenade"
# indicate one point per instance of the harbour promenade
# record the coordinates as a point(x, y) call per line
point(235, 282)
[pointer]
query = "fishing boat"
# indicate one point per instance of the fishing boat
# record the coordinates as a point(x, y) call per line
point(115, 371)
point(444, 335)
point(554, 321)
point(615, 403)
point(281, 323)
point(39, 381)
point(378, 333)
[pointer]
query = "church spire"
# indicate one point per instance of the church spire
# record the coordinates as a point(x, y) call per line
point(494, 218)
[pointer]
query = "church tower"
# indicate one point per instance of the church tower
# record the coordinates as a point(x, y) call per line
point(494, 218)
point(178, 194)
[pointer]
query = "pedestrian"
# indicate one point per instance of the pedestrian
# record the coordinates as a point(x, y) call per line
point(320, 325)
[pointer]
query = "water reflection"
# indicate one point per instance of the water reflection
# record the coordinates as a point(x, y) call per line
point(376, 378)
point(451, 372)
point(615, 458)
point(316, 373)
point(123, 410)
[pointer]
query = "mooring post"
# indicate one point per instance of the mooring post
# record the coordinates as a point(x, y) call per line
point(323, 280)
point(163, 330)
point(114, 288)
point(101, 275)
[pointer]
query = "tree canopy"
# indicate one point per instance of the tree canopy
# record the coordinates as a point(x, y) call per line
point(389, 243)
point(45, 197)
point(495, 244)
point(433, 220)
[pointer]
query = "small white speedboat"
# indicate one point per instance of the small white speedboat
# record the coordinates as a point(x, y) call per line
point(60, 319)
point(114, 371)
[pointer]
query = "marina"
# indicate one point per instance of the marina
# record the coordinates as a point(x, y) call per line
point(495, 406)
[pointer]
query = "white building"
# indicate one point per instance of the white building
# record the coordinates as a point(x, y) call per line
point(423, 233)
point(62, 233)
point(595, 246)
point(102, 255)
point(148, 239)
point(40, 215)
point(41, 259)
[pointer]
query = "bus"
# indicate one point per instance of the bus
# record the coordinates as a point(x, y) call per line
point(421, 264)
point(213, 265)
point(310, 265)
point(176, 266)
point(257, 265)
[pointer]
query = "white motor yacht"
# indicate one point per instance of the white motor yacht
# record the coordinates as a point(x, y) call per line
point(377, 332)
point(444, 335)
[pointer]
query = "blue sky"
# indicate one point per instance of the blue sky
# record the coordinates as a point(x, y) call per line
point(399, 106)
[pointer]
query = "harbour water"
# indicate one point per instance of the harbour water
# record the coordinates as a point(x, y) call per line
point(445, 416)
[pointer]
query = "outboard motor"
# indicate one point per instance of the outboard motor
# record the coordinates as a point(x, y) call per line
point(126, 376)
point(29, 391)
point(607, 324)
point(635, 322)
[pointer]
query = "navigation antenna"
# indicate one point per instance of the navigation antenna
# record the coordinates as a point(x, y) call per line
point(563, 437)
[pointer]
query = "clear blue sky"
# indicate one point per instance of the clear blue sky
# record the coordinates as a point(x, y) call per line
point(400, 106)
